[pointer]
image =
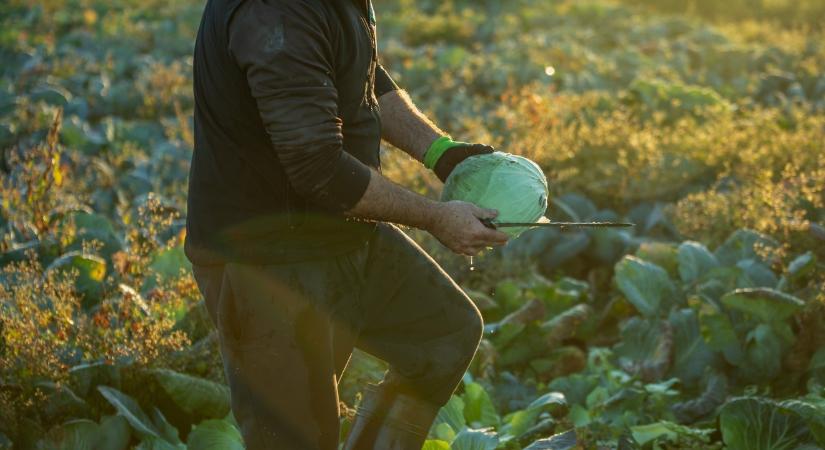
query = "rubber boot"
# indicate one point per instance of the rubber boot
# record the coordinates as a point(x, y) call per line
point(368, 418)
point(406, 424)
point(390, 422)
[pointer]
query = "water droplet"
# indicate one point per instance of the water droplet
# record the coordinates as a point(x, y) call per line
point(549, 71)
point(472, 267)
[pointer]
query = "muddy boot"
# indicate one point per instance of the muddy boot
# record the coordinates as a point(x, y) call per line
point(368, 418)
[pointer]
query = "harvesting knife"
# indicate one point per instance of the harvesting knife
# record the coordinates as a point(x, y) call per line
point(490, 224)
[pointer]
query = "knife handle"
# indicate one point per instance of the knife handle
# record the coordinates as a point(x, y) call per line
point(488, 223)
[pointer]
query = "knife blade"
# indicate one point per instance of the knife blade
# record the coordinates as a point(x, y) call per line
point(490, 224)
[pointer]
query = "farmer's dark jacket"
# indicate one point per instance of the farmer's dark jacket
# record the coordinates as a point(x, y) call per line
point(286, 127)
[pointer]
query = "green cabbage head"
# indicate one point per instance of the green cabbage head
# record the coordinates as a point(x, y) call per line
point(512, 184)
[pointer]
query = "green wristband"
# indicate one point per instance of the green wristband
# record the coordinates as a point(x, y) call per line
point(437, 149)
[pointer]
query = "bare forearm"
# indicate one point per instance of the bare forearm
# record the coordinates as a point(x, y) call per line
point(386, 201)
point(455, 224)
point(404, 126)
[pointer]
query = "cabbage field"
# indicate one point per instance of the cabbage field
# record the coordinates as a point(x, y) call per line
point(703, 122)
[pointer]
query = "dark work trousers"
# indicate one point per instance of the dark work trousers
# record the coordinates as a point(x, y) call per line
point(287, 332)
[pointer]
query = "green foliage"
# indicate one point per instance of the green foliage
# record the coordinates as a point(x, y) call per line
point(674, 100)
point(195, 396)
point(129, 409)
point(91, 271)
point(157, 433)
point(215, 435)
point(166, 265)
point(707, 136)
point(666, 431)
point(694, 261)
point(691, 355)
point(469, 439)
point(88, 228)
point(745, 245)
point(801, 12)
point(478, 408)
point(767, 305)
point(646, 285)
point(762, 424)
point(561, 441)
point(111, 434)
point(433, 444)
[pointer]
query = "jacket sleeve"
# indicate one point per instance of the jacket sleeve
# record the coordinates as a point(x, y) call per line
point(285, 52)
point(383, 82)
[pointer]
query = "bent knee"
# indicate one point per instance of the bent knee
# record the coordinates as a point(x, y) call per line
point(469, 330)
point(474, 328)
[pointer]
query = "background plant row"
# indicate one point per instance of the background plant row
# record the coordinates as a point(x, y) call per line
point(703, 327)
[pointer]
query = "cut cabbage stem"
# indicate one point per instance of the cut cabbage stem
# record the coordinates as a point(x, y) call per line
point(490, 224)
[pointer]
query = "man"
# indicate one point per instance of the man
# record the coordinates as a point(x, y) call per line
point(289, 229)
